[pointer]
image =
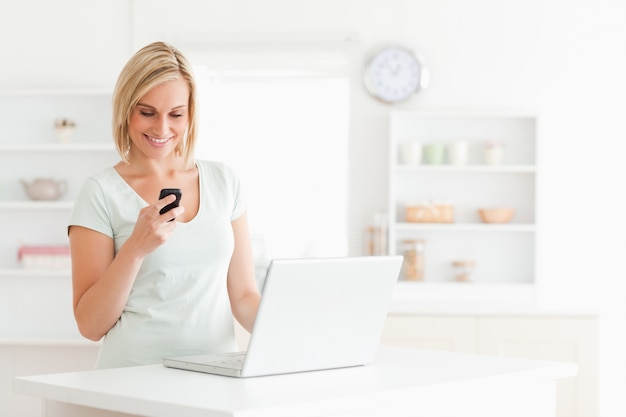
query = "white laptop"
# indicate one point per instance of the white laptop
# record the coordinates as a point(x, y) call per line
point(314, 314)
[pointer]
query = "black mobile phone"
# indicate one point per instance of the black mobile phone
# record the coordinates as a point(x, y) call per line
point(167, 191)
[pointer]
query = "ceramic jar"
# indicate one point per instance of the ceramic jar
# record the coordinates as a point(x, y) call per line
point(493, 153)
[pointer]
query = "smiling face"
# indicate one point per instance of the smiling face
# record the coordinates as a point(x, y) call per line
point(158, 123)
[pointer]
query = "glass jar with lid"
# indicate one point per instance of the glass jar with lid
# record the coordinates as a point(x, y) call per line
point(413, 264)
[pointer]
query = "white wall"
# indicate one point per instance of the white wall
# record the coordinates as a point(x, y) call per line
point(562, 59)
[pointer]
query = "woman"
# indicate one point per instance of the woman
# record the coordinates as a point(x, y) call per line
point(150, 286)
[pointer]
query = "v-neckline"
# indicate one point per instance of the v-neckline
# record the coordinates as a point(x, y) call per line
point(139, 197)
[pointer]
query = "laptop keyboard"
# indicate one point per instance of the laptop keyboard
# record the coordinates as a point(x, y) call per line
point(232, 360)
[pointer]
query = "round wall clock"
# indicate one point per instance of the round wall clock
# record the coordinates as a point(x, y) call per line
point(394, 74)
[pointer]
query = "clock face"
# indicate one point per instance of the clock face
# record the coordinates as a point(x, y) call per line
point(393, 75)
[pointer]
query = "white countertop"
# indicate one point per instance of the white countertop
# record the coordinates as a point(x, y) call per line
point(472, 299)
point(161, 392)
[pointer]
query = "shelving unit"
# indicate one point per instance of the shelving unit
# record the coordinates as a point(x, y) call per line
point(504, 253)
point(29, 149)
point(56, 147)
point(30, 273)
point(463, 227)
point(35, 205)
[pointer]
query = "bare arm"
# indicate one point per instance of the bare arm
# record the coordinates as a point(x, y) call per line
point(101, 280)
point(242, 289)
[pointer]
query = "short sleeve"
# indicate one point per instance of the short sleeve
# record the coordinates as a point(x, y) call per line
point(90, 209)
point(239, 205)
point(221, 183)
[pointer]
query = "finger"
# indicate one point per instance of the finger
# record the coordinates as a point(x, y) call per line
point(174, 213)
point(168, 199)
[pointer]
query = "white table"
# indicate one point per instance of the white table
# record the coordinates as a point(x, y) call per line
point(401, 382)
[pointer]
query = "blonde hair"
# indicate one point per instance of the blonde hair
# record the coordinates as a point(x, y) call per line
point(152, 65)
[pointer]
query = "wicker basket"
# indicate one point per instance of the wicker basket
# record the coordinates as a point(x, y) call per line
point(429, 213)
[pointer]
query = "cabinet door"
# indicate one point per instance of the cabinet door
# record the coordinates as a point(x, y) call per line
point(558, 339)
point(24, 359)
point(454, 334)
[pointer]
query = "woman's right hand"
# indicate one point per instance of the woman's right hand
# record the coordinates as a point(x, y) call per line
point(152, 228)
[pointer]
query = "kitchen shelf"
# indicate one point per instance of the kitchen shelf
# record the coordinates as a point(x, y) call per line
point(499, 169)
point(36, 205)
point(56, 93)
point(57, 147)
point(32, 273)
point(32, 115)
point(68, 341)
point(504, 254)
point(465, 227)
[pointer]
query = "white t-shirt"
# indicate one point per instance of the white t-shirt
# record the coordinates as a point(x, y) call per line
point(179, 303)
